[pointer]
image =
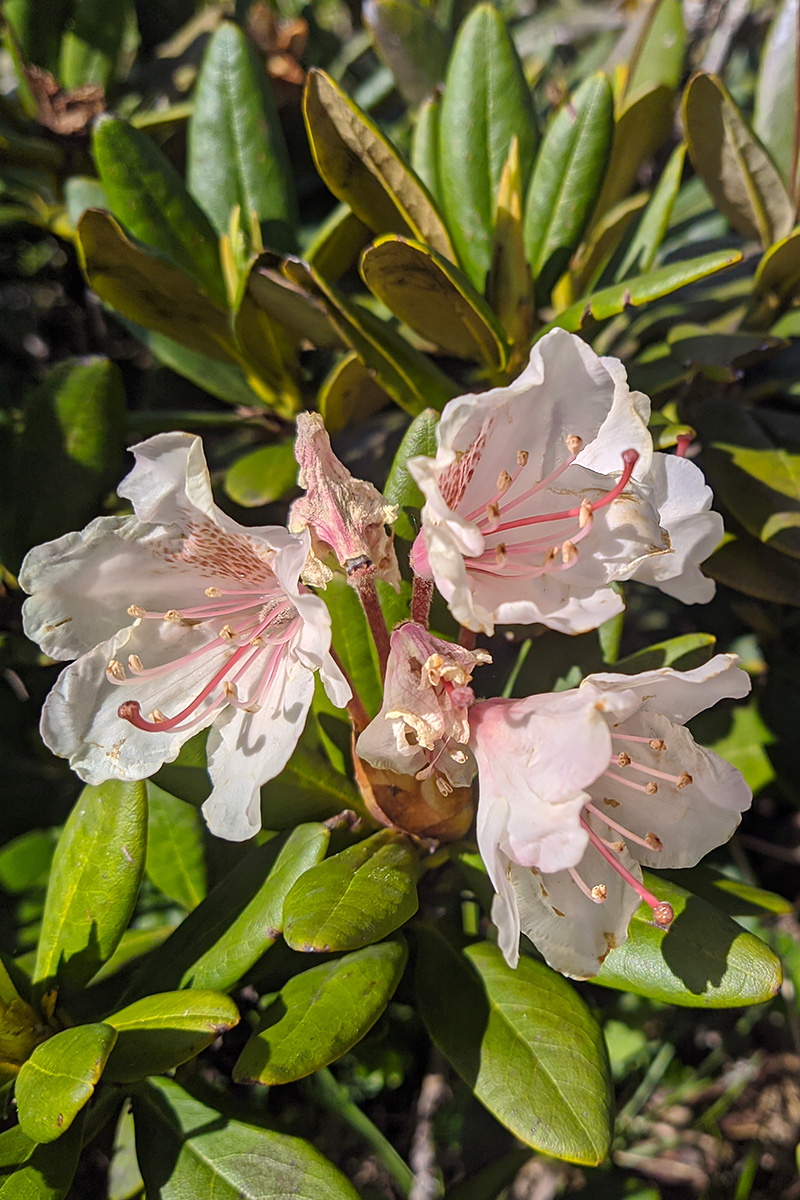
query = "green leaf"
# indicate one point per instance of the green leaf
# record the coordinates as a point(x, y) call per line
point(523, 1041)
point(296, 309)
point(734, 898)
point(94, 882)
point(733, 164)
point(353, 641)
point(744, 745)
point(659, 53)
point(38, 40)
point(148, 196)
point(355, 898)
point(39, 1172)
point(410, 43)
point(611, 301)
point(602, 243)
point(364, 170)
point(486, 103)
point(321, 1014)
point(408, 376)
point(682, 653)
point(425, 145)
point(221, 379)
point(59, 1078)
point(401, 488)
point(262, 476)
point(643, 123)
point(566, 180)
point(337, 244)
point(91, 46)
point(25, 861)
point(269, 353)
point(160, 1032)
point(777, 281)
point(704, 960)
point(643, 247)
point(72, 446)
point(349, 395)
point(745, 563)
point(308, 788)
point(774, 108)
point(150, 290)
point(433, 297)
point(236, 151)
point(187, 1150)
point(239, 919)
point(175, 860)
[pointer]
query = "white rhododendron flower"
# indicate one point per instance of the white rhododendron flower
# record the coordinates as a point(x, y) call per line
point(544, 492)
point(345, 515)
point(422, 728)
point(579, 789)
point(179, 618)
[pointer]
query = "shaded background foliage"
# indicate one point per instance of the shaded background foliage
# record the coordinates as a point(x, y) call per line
point(226, 248)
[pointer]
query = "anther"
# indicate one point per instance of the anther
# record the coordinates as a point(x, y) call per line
point(230, 689)
point(157, 716)
point(657, 744)
point(458, 756)
point(212, 592)
point(115, 669)
point(684, 779)
point(135, 663)
point(174, 616)
point(569, 553)
point(584, 514)
point(623, 759)
point(227, 632)
point(654, 841)
point(504, 481)
point(663, 914)
point(617, 846)
point(443, 786)
point(500, 554)
point(492, 513)
point(610, 801)
point(574, 443)
point(136, 610)
point(599, 893)
point(522, 458)
point(651, 788)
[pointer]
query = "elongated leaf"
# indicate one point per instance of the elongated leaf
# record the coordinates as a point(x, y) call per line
point(297, 310)
point(38, 40)
point(566, 180)
point(269, 354)
point(39, 1172)
point(354, 642)
point(425, 145)
point(355, 898)
point(733, 164)
point(148, 196)
point(523, 1041)
point(704, 960)
point(602, 243)
point(774, 109)
point(91, 45)
point(160, 1032)
point(777, 282)
point(349, 394)
point(59, 1078)
point(610, 301)
point(175, 861)
point(643, 124)
point(509, 284)
point(263, 475)
point(239, 919)
point(411, 44)
point(308, 788)
point(401, 488)
point(221, 379)
point(320, 1014)
point(486, 103)
point(236, 152)
point(745, 563)
point(337, 244)
point(645, 242)
point(150, 290)
point(187, 1150)
point(94, 882)
point(433, 297)
point(660, 47)
point(681, 653)
point(364, 170)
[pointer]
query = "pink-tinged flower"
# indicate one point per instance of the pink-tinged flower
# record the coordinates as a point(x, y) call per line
point(579, 789)
point(179, 618)
point(346, 516)
point(422, 728)
point(545, 492)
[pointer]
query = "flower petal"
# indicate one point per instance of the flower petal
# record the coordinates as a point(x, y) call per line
point(680, 695)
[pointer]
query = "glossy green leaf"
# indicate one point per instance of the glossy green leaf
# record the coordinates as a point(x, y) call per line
point(296, 309)
point(408, 40)
point(355, 898)
point(133, 944)
point(38, 40)
point(611, 301)
point(238, 920)
point(150, 290)
point(269, 355)
point(401, 488)
point(774, 107)
point(643, 247)
point(523, 1041)
point(225, 380)
point(434, 298)
point(566, 180)
point(25, 861)
point(509, 284)
point(39, 1172)
point(425, 145)
point(187, 1150)
point(409, 377)
point(148, 196)
point(349, 395)
point(353, 642)
point(262, 476)
point(486, 102)
point(94, 882)
point(321, 1014)
point(643, 123)
point(337, 244)
point(308, 788)
point(704, 960)
point(91, 45)
point(734, 166)
point(745, 563)
point(175, 860)
point(59, 1078)
point(682, 653)
point(160, 1032)
point(602, 243)
point(236, 151)
point(364, 170)
point(777, 281)
point(744, 745)
point(734, 898)
point(660, 47)
point(72, 446)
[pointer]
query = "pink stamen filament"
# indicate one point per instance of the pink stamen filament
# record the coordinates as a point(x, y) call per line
point(630, 737)
point(531, 491)
point(637, 787)
point(647, 770)
point(626, 833)
point(584, 887)
point(663, 910)
point(131, 709)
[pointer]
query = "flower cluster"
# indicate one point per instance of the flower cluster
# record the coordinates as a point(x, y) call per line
point(540, 497)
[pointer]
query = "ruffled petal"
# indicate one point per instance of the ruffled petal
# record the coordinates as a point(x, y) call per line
point(680, 695)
